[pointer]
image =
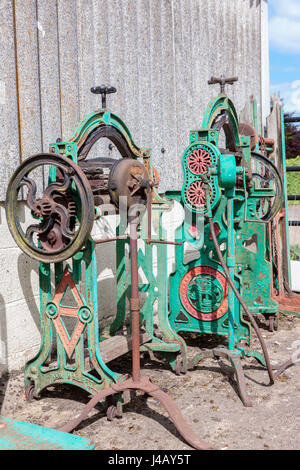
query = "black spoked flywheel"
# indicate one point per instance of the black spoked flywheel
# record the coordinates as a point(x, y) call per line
point(60, 217)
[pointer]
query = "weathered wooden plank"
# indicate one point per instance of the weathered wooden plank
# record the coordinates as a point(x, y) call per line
point(116, 346)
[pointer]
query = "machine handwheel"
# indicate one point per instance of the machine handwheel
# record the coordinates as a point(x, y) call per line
point(64, 211)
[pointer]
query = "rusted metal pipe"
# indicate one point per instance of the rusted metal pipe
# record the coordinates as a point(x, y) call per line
point(240, 299)
point(134, 300)
point(138, 382)
point(113, 239)
point(163, 242)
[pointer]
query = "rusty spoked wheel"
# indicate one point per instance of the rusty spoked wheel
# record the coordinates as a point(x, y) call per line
point(269, 177)
point(29, 392)
point(62, 214)
point(113, 412)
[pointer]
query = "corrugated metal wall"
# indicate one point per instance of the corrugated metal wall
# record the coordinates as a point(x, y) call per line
point(158, 53)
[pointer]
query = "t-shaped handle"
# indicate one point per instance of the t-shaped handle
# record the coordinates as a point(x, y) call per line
point(103, 90)
point(222, 81)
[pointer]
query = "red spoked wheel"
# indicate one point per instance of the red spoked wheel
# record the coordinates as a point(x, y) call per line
point(199, 161)
point(196, 193)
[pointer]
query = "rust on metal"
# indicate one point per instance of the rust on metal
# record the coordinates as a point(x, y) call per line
point(144, 384)
point(138, 382)
point(249, 131)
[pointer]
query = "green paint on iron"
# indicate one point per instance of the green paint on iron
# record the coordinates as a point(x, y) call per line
point(19, 435)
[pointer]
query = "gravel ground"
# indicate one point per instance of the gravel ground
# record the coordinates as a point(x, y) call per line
point(206, 397)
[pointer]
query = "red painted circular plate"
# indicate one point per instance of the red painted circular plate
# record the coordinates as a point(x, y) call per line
point(205, 316)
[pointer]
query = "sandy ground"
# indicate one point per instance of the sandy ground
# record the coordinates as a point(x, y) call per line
point(206, 397)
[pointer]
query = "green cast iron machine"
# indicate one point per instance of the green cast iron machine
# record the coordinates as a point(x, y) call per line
point(230, 192)
point(56, 231)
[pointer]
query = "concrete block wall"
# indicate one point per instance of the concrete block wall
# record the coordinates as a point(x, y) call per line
point(159, 54)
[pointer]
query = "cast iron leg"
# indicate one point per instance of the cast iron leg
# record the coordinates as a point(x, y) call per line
point(235, 358)
point(240, 380)
point(146, 386)
point(138, 382)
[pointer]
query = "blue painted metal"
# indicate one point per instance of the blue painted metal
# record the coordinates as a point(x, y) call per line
point(19, 435)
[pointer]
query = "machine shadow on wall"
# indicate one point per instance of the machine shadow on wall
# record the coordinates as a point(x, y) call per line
point(4, 376)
